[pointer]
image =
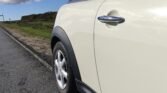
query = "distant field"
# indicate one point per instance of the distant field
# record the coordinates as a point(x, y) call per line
point(40, 29)
point(37, 25)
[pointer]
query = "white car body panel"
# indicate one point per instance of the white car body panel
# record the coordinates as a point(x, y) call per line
point(78, 19)
point(132, 57)
point(127, 58)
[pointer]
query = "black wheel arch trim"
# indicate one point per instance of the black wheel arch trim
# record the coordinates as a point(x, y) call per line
point(59, 34)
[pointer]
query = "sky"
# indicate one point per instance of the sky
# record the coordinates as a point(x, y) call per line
point(14, 9)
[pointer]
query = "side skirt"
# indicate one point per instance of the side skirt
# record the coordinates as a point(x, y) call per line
point(83, 88)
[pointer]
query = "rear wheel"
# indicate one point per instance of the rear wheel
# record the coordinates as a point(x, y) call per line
point(63, 74)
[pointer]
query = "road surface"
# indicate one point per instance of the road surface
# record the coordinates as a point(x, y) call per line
point(20, 72)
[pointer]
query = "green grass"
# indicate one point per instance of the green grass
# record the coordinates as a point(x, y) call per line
point(35, 29)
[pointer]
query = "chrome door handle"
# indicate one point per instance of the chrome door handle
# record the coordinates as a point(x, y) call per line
point(111, 20)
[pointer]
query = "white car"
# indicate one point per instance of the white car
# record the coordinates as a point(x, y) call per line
point(111, 46)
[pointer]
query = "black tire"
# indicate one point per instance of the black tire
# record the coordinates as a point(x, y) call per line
point(70, 86)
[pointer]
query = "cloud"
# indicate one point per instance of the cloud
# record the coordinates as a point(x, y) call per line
point(16, 1)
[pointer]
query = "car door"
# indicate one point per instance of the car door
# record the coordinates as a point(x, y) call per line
point(131, 56)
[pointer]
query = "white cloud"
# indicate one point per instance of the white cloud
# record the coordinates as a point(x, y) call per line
point(16, 1)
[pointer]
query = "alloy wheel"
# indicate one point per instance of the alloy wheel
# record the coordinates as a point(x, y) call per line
point(60, 67)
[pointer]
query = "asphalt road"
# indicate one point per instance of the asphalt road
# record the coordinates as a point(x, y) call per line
point(20, 72)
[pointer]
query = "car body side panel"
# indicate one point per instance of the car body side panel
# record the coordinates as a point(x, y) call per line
point(132, 57)
point(77, 19)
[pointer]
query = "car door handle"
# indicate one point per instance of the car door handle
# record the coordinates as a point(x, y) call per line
point(111, 20)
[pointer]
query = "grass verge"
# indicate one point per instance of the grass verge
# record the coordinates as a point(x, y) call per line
point(33, 29)
point(35, 35)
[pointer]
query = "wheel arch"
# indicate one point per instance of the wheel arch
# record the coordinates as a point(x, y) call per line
point(59, 34)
